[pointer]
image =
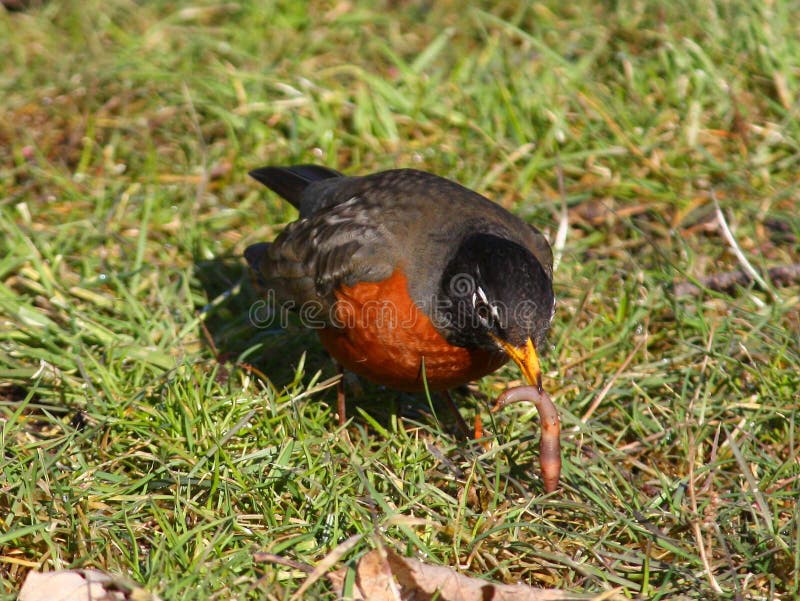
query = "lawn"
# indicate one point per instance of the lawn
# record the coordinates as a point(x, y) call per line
point(150, 430)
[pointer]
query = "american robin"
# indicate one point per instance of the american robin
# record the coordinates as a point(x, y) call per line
point(410, 278)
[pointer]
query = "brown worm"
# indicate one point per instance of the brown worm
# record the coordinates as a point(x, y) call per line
point(549, 444)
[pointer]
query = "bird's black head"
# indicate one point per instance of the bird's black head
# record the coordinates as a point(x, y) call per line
point(496, 295)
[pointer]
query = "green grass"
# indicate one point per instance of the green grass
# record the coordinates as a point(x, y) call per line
point(132, 445)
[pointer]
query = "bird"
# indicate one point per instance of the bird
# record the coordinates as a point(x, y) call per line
point(412, 280)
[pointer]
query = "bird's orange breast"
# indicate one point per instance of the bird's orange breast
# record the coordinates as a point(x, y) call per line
point(384, 336)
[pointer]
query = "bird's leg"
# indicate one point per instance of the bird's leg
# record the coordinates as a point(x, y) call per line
point(461, 425)
point(340, 399)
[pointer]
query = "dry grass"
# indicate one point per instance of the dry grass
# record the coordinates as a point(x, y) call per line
point(132, 444)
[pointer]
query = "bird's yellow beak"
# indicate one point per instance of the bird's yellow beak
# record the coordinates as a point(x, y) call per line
point(525, 356)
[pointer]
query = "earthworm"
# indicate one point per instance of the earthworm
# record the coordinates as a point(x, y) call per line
point(549, 444)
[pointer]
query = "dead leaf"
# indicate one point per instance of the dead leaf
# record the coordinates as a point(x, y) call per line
point(80, 585)
point(375, 578)
point(382, 575)
point(326, 564)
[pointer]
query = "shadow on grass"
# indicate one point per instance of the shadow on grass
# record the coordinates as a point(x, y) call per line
point(273, 350)
point(277, 351)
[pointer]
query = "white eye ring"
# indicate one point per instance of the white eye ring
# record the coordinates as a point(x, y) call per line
point(479, 294)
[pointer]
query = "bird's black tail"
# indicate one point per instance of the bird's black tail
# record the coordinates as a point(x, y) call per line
point(290, 182)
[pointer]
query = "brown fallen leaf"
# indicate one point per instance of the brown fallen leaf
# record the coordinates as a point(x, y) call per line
point(374, 578)
point(80, 585)
point(382, 575)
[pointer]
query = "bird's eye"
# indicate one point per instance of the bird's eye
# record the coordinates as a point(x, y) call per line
point(484, 310)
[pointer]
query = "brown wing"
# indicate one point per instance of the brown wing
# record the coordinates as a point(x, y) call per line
point(343, 244)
